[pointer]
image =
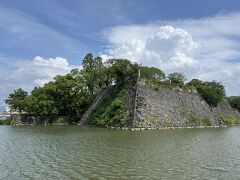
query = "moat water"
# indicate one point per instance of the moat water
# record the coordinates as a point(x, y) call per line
point(71, 152)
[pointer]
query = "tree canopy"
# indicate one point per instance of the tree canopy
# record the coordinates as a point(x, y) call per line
point(212, 92)
point(17, 100)
point(234, 101)
point(177, 78)
point(123, 70)
point(151, 73)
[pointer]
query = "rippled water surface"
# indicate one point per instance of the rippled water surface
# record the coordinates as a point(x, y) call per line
point(69, 152)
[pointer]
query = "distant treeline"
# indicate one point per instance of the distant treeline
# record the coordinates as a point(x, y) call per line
point(70, 95)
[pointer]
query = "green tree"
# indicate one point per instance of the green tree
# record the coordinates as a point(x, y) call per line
point(195, 82)
point(93, 73)
point(64, 96)
point(71, 94)
point(79, 94)
point(234, 101)
point(212, 92)
point(152, 73)
point(88, 72)
point(41, 106)
point(177, 78)
point(16, 100)
point(123, 71)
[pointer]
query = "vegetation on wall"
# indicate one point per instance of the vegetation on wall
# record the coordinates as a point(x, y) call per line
point(228, 120)
point(196, 120)
point(112, 111)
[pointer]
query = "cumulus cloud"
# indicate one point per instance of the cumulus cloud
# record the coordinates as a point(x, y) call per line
point(57, 62)
point(29, 73)
point(168, 48)
point(206, 48)
point(106, 57)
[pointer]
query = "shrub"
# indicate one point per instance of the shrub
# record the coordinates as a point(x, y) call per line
point(13, 122)
point(194, 119)
point(59, 120)
point(206, 121)
point(6, 122)
point(228, 120)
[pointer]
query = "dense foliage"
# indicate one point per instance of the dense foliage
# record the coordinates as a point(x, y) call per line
point(234, 101)
point(67, 97)
point(212, 92)
point(228, 120)
point(151, 73)
point(16, 100)
point(71, 94)
point(177, 78)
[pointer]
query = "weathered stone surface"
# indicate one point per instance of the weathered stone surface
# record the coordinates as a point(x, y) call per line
point(25, 119)
point(157, 108)
point(225, 109)
point(165, 107)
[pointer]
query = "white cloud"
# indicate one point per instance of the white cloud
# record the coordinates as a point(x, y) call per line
point(29, 73)
point(106, 57)
point(58, 62)
point(168, 48)
point(39, 70)
point(206, 48)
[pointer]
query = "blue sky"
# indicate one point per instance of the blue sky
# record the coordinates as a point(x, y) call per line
point(39, 39)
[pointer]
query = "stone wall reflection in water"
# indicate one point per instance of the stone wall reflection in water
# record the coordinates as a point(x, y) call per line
point(72, 152)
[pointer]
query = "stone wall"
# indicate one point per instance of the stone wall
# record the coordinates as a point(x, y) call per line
point(225, 109)
point(24, 119)
point(162, 107)
point(130, 103)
